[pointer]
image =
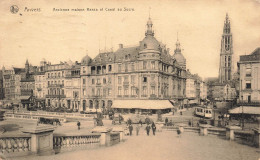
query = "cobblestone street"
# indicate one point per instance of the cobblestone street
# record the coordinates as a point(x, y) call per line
point(165, 145)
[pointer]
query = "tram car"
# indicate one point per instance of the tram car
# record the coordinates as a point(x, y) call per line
point(203, 112)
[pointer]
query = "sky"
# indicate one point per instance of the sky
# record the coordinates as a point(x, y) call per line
point(70, 35)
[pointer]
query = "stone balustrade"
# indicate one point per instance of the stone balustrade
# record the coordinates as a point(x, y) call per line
point(235, 133)
point(65, 142)
point(15, 145)
point(70, 115)
point(114, 138)
point(31, 117)
point(217, 131)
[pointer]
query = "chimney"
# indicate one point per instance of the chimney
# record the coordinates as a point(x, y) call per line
point(120, 46)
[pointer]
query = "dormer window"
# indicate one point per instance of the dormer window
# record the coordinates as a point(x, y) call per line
point(145, 45)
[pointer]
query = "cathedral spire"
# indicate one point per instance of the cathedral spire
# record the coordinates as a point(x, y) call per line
point(226, 28)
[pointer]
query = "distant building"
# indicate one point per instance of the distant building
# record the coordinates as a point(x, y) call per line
point(226, 54)
point(203, 90)
point(12, 84)
point(196, 89)
point(55, 78)
point(72, 86)
point(223, 92)
point(249, 79)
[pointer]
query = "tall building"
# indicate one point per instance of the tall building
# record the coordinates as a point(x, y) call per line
point(226, 53)
point(249, 79)
point(144, 72)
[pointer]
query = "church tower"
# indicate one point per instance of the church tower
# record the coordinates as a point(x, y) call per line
point(226, 53)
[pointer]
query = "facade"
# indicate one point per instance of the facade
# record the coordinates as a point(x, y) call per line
point(249, 78)
point(226, 53)
point(196, 89)
point(55, 78)
point(12, 83)
point(72, 86)
point(1, 86)
point(223, 92)
point(203, 90)
point(142, 72)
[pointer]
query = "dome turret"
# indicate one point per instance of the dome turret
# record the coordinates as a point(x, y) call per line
point(86, 60)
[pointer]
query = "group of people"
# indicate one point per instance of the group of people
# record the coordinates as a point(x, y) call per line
point(139, 126)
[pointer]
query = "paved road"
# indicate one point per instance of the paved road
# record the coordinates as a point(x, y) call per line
point(164, 146)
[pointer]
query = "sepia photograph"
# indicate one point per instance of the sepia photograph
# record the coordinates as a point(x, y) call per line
point(130, 80)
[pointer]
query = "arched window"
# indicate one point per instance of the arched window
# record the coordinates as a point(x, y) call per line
point(90, 104)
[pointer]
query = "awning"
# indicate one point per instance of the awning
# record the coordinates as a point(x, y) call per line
point(245, 110)
point(142, 104)
point(194, 101)
point(24, 97)
point(173, 101)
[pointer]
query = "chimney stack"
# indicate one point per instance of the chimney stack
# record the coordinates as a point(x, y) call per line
point(120, 46)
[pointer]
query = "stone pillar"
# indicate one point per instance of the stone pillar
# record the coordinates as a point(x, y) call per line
point(105, 134)
point(257, 134)
point(41, 139)
point(230, 132)
point(121, 131)
point(204, 129)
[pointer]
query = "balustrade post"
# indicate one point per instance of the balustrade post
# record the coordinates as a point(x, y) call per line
point(105, 134)
point(41, 139)
point(230, 132)
point(204, 129)
point(121, 131)
point(257, 134)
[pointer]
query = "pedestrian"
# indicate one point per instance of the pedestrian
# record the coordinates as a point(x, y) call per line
point(153, 128)
point(166, 121)
point(137, 129)
point(78, 124)
point(140, 122)
point(147, 129)
point(179, 132)
point(130, 129)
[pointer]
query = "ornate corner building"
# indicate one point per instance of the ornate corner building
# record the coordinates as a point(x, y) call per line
point(226, 67)
point(146, 71)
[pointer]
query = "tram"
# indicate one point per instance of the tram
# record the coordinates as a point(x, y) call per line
point(203, 112)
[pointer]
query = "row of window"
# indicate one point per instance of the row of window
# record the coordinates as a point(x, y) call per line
point(98, 81)
point(53, 91)
point(56, 82)
point(98, 92)
point(98, 69)
point(56, 75)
